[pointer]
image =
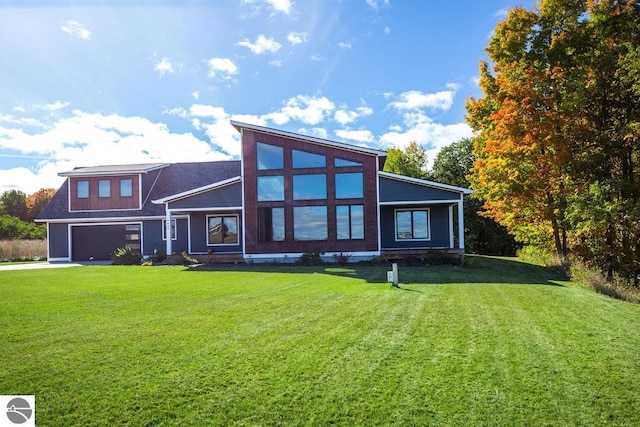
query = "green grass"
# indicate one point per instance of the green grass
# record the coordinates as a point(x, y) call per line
point(503, 343)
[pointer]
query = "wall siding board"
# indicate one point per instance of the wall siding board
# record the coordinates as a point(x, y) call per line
point(439, 225)
point(392, 190)
point(227, 196)
point(58, 240)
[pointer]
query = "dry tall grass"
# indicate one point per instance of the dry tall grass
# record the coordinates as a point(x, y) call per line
point(23, 250)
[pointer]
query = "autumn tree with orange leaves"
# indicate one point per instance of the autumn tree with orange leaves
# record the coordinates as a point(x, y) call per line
point(558, 126)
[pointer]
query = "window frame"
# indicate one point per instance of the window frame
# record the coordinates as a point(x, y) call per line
point(237, 219)
point(296, 159)
point(268, 167)
point(326, 222)
point(101, 194)
point(130, 181)
point(412, 210)
point(174, 229)
point(344, 163)
point(84, 183)
point(350, 225)
point(265, 177)
point(339, 187)
point(295, 178)
point(266, 231)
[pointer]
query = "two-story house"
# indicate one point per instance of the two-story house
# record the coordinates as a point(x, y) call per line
point(289, 194)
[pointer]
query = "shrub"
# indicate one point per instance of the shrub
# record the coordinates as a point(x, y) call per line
point(184, 259)
point(159, 256)
point(310, 258)
point(617, 288)
point(125, 256)
point(341, 258)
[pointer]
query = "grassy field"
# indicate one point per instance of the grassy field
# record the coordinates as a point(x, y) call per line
point(504, 343)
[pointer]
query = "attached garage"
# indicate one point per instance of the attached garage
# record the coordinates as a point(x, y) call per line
point(98, 242)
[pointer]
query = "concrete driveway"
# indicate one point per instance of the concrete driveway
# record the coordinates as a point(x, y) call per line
point(38, 265)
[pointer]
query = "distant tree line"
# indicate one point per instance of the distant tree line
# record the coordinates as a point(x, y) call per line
point(18, 211)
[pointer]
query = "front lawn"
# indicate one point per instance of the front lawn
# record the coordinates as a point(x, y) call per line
point(504, 343)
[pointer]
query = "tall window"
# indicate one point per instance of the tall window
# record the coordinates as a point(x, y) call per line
point(302, 159)
point(104, 188)
point(82, 189)
point(349, 186)
point(310, 187)
point(126, 188)
point(270, 188)
point(269, 156)
point(310, 223)
point(222, 230)
point(412, 225)
point(271, 224)
point(174, 234)
point(350, 222)
point(341, 163)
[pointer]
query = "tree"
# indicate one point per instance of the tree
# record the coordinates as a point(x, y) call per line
point(483, 235)
point(558, 142)
point(37, 201)
point(14, 203)
point(412, 161)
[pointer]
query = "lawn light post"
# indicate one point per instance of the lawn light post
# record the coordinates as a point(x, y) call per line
point(392, 276)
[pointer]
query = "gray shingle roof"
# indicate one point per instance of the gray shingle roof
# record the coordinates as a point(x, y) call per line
point(113, 169)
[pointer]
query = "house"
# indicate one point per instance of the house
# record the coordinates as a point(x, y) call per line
point(289, 194)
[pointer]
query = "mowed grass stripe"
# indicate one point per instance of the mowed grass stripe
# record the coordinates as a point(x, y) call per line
point(317, 346)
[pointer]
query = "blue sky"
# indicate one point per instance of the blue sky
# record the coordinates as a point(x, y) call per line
point(104, 82)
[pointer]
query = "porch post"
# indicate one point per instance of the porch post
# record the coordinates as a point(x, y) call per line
point(461, 222)
point(167, 230)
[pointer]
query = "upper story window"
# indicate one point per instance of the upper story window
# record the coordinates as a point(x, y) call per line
point(126, 188)
point(341, 163)
point(82, 189)
point(104, 188)
point(349, 185)
point(302, 159)
point(310, 187)
point(270, 188)
point(269, 156)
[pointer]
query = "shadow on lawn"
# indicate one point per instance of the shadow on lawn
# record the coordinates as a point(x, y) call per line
point(480, 270)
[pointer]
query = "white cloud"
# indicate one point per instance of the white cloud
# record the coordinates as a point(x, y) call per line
point(195, 94)
point(165, 65)
point(222, 68)
point(297, 38)
point(54, 106)
point(276, 62)
point(282, 6)
point(315, 131)
point(85, 139)
point(501, 14)
point(76, 29)
point(316, 57)
point(344, 116)
point(422, 129)
point(414, 99)
point(307, 109)
point(262, 45)
point(374, 4)
point(344, 45)
point(177, 111)
point(387, 29)
point(364, 136)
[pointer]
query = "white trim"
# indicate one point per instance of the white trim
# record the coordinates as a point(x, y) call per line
point(378, 206)
point(305, 138)
point(70, 235)
point(108, 220)
point(421, 202)
point(164, 229)
point(68, 259)
point(451, 241)
point(424, 182)
point(79, 171)
point(210, 209)
point(461, 223)
point(242, 183)
point(203, 189)
point(395, 224)
point(293, 255)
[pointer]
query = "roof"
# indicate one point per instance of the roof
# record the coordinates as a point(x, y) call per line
point(114, 169)
point(425, 182)
point(313, 140)
point(172, 179)
point(198, 190)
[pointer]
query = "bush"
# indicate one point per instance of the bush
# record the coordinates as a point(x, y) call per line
point(184, 259)
point(341, 258)
point(14, 228)
point(125, 256)
point(310, 258)
point(617, 288)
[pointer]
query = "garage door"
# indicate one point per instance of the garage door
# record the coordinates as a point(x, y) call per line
point(100, 241)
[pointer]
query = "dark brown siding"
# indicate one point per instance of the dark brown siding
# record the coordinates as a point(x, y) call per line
point(95, 203)
point(332, 244)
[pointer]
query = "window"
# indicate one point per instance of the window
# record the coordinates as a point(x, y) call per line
point(271, 224)
point(270, 188)
point(269, 156)
point(349, 185)
point(310, 187)
point(126, 188)
point(222, 230)
point(132, 237)
point(350, 222)
point(412, 225)
point(341, 163)
point(82, 189)
point(174, 234)
point(310, 223)
point(302, 159)
point(104, 188)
